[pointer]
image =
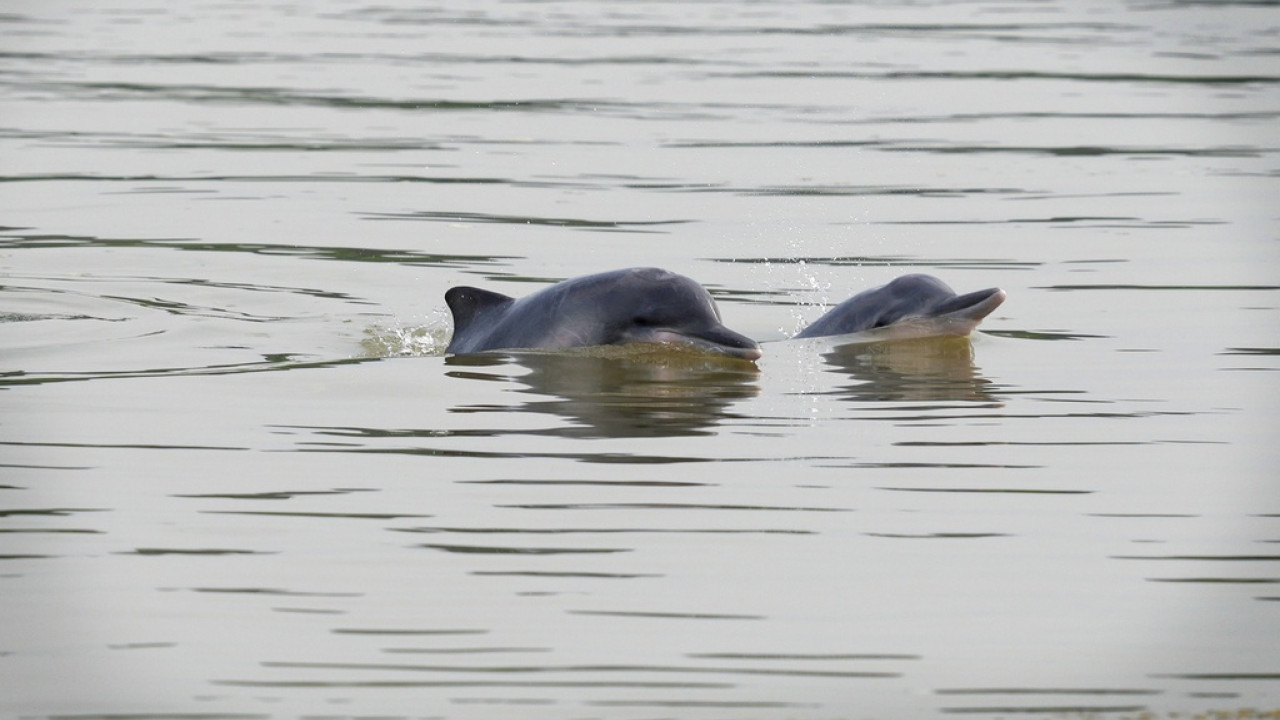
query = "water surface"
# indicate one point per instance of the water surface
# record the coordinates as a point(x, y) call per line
point(240, 479)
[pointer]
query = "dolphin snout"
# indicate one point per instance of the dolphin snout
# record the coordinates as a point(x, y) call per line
point(718, 341)
point(745, 353)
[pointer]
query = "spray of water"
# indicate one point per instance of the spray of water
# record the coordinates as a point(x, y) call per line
point(398, 340)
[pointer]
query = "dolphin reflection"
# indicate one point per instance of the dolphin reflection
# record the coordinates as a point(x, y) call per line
point(624, 391)
point(921, 369)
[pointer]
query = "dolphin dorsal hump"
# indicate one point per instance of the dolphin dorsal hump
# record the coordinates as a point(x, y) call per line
point(468, 303)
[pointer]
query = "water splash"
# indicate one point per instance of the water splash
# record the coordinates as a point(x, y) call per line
point(814, 292)
point(397, 340)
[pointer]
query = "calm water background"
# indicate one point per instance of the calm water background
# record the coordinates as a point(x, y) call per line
point(238, 478)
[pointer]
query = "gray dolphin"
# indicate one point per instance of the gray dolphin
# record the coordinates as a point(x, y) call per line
point(910, 306)
point(637, 305)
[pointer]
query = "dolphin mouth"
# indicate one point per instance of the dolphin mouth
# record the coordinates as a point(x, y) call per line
point(722, 341)
point(972, 306)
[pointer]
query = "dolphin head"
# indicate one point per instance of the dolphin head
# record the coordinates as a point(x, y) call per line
point(650, 305)
point(638, 305)
point(914, 305)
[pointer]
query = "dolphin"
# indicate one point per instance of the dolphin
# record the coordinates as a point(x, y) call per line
point(636, 305)
point(910, 306)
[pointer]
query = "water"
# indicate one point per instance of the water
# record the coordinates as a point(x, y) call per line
point(240, 479)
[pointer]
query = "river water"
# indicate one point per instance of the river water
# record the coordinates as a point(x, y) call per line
point(239, 478)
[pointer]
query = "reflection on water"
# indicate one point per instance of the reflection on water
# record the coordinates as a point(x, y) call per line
point(924, 369)
point(622, 392)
